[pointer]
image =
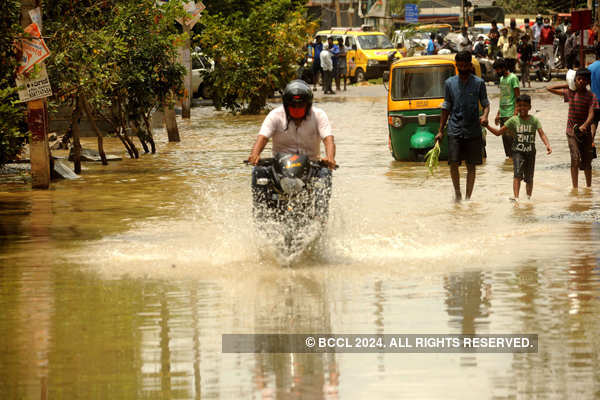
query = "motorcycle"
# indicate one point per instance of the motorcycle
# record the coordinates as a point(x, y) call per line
point(540, 67)
point(290, 201)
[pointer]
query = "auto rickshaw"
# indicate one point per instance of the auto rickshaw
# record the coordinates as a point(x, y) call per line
point(415, 96)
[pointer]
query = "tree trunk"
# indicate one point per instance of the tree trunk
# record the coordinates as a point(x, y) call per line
point(140, 134)
point(120, 136)
point(88, 112)
point(149, 130)
point(171, 123)
point(75, 116)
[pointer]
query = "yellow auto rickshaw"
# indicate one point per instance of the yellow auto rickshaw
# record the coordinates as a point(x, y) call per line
point(415, 96)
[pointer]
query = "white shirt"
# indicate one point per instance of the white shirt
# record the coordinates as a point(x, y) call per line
point(464, 44)
point(326, 60)
point(304, 139)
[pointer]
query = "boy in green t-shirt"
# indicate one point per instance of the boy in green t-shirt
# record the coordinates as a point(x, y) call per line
point(509, 91)
point(522, 127)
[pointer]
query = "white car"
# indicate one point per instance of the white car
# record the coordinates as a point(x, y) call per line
point(201, 67)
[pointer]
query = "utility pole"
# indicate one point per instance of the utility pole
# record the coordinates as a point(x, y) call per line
point(37, 119)
point(338, 13)
point(186, 60)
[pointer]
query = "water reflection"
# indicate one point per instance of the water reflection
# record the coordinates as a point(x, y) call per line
point(297, 304)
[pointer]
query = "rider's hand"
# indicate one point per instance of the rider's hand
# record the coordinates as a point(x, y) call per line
point(253, 159)
point(330, 162)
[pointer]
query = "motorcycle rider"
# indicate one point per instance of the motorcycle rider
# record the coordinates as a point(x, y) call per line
point(537, 30)
point(296, 127)
point(547, 42)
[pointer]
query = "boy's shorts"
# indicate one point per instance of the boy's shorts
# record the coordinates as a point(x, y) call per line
point(524, 165)
point(470, 150)
point(581, 151)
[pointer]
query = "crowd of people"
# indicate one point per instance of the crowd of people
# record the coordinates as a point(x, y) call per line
point(515, 125)
point(329, 63)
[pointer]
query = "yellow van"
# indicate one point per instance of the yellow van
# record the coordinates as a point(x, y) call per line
point(367, 51)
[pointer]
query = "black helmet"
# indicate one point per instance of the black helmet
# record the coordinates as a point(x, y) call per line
point(297, 92)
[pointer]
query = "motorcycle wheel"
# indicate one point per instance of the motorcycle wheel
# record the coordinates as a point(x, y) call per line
point(546, 74)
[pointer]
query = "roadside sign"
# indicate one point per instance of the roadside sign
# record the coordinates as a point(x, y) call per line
point(194, 10)
point(411, 13)
point(36, 88)
point(33, 50)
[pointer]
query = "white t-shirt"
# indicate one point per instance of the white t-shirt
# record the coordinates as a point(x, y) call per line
point(464, 43)
point(326, 60)
point(304, 139)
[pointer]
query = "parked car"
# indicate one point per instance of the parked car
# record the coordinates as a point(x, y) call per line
point(202, 66)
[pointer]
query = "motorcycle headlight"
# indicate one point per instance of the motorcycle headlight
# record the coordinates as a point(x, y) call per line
point(262, 181)
point(395, 121)
point(291, 185)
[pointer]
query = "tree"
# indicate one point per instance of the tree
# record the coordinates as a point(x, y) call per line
point(255, 53)
point(11, 113)
point(116, 55)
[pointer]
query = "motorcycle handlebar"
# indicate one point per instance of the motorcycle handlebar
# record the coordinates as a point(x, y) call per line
point(266, 162)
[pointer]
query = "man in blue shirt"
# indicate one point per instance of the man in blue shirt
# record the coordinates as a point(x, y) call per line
point(431, 45)
point(462, 95)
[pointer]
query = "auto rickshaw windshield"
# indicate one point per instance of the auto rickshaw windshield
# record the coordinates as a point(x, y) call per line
point(425, 82)
point(372, 42)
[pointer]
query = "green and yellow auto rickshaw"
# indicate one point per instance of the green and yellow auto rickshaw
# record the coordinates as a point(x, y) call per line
point(415, 97)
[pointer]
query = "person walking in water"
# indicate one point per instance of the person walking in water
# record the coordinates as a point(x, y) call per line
point(523, 127)
point(463, 93)
point(581, 116)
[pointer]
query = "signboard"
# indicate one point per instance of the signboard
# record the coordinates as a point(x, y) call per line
point(377, 10)
point(194, 10)
point(411, 13)
point(33, 50)
point(581, 19)
point(36, 88)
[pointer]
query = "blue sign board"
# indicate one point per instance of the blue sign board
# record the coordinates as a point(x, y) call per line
point(411, 13)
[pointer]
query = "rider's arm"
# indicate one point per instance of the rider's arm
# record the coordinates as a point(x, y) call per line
point(329, 151)
point(259, 145)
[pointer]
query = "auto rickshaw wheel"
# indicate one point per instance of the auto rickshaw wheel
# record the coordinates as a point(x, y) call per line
point(360, 75)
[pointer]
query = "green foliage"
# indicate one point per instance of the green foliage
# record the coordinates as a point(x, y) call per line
point(432, 158)
point(11, 113)
point(114, 53)
point(255, 52)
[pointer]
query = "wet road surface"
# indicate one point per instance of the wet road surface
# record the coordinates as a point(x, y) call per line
point(120, 284)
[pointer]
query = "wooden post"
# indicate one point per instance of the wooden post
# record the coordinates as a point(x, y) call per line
point(338, 13)
point(171, 124)
point(39, 150)
point(186, 60)
point(37, 120)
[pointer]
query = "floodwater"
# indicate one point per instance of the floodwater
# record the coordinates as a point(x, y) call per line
point(119, 285)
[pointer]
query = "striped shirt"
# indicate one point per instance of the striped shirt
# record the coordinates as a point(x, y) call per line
point(579, 107)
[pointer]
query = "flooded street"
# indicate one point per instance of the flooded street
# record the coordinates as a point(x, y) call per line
point(119, 285)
